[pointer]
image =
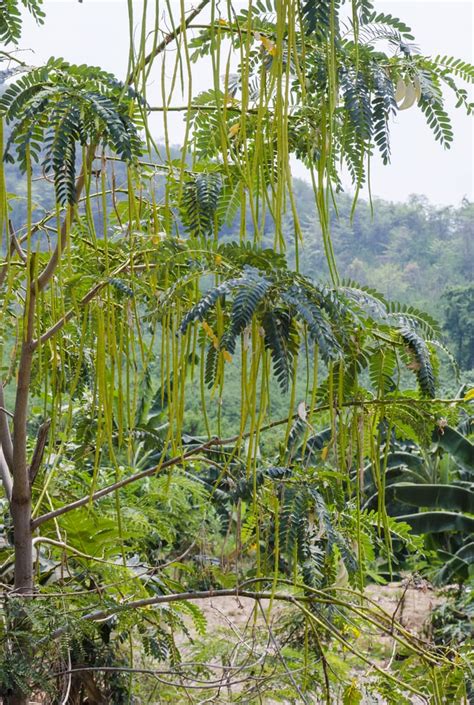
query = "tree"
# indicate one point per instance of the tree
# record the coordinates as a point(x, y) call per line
point(459, 311)
point(111, 279)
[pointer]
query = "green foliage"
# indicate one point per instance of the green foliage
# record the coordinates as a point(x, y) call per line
point(59, 107)
point(199, 203)
point(459, 316)
point(440, 496)
point(10, 18)
point(454, 443)
point(438, 522)
point(421, 361)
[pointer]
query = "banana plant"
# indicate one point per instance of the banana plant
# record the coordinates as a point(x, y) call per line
point(440, 485)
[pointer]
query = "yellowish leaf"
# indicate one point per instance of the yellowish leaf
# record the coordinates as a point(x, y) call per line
point(234, 130)
point(469, 395)
point(267, 43)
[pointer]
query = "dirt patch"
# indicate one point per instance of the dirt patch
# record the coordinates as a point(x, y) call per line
point(408, 602)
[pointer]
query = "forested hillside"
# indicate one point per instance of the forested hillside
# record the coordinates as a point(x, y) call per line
point(414, 252)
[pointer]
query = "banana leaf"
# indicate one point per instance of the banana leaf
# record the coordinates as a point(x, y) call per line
point(458, 566)
point(448, 497)
point(400, 459)
point(454, 443)
point(437, 522)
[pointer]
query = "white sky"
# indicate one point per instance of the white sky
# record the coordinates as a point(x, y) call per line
point(96, 32)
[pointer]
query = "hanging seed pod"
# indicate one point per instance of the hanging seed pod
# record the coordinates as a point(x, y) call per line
point(410, 97)
point(400, 90)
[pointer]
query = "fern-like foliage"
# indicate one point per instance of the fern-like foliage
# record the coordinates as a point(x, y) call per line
point(438, 120)
point(458, 67)
point(357, 101)
point(405, 315)
point(366, 297)
point(311, 314)
point(250, 291)
point(349, 323)
point(199, 202)
point(210, 368)
point(199, 311)
point(283, 342)
point(334, 537)
point(381, 18)
point(365, 9)
point(10, 18)
point(421, 363)
point(382, 365)
point(59, 107)
point(383, 106)
point(316, 16)
point(311, 543)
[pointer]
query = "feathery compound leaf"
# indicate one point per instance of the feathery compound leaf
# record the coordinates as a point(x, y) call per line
point(250, 290)
point(383, 106)
point(210, 369)
point(10, 18)
point(199, 311)
point(367, 298)
point(319, 329)
point(456, 66)
point(356, 95)
point(382, 364)
point(199, 202)
point(316, 16)
point(411, 317)
point(421, 360)
point(390, 21)
point(282, 341)
point(365, 9)
point(60, 106)
point(438, 120)
point(333, 535)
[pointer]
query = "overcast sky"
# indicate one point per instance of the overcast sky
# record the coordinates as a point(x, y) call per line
point(96, 32)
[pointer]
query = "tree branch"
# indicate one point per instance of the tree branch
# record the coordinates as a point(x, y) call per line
point(123, 483)
point(43, 279)
point(38, 452)
point(5, 476)
point(5, 435)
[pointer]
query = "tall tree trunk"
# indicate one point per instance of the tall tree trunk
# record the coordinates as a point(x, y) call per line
point(21, 508)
